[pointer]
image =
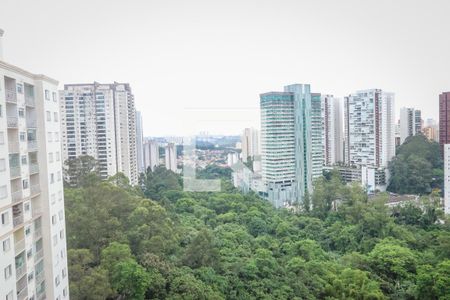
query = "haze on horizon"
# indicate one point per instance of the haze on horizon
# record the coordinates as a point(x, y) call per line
point(200, 65)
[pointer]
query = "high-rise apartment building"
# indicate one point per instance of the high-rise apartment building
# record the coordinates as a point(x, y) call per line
point(151, 154)
point(369, 128)
point(431, 130)
point(447, 178)
point(100, 120)
point(444, 120)
point(333, 151)
point(410, 123)
point(249, 143)
point(33, 262)
point(171, 157)
point(139, 143)
point(291, 143)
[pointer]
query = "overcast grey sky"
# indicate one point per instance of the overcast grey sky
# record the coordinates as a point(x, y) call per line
point(208, 60)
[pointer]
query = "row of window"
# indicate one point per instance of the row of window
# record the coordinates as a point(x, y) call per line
point(49, 116)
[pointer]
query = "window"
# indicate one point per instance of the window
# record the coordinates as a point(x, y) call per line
point(65, 292)
point(3, 192)
point(2, 164)
point(19, 88)
point(8, 272)
point(6, 244)
point(2, 138)
point(64, 273)
point(50, 136)
point(53, 197)
point(50, 157)
point(58, 175)
point(25, 184)
point(57, 280)
point(54, 96)
point(55, 240)
point(5, 218)
point(60, 214)
point(47, 95)
point(61, 234)
point(60, 196)
point(58, 156)
point(52, 178)
point(22, 136)
point(30, 276)
point(21, 112)
point(24, 159)
point(55, 116)
point(53, 219)
point(27, 230)
point(26, 206)
point(49, 116)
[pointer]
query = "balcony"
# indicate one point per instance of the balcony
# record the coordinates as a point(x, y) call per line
point(13, 146)
point(17, 221)
point(29, 101)
point(34, 168)
point(37, 257)
point(37, 211)
point(39, 277)
point(10, 95)
point(17, 196)
point(32, 145)
point(14, 172)
point(31, 123)
point(22, 294)
point(12, 122)
point(19, 246)
point(20, 271)
point(35, 190)
point(37, 233)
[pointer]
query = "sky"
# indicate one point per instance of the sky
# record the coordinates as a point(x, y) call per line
point(200, 65)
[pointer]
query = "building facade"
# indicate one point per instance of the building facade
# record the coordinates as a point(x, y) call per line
point(333, 143)
point(369, 128)
point(249, 143)
point(151, 154)
point(33, 263)
point(99, 120)
point(410, 123)
point(170, 159)
point(139, 143)
point(447, 178)
point(444, 120)
point(291, 143)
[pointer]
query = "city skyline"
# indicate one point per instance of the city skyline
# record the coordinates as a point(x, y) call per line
point(179, 54)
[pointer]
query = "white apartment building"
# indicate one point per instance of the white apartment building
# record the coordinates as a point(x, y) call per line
point(410, 123)
point(249, 143)
point(333, 151)
point(139, 143)
point(447, 178)
point(369, 128)
point(151, 154)
point(33, 263)
point(171, 157)
point(100, 120)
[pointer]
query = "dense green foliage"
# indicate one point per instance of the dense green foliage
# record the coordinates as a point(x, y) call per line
point(184, 245)
point(417, 167)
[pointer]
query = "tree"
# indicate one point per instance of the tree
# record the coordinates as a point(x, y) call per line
point(81, 171)
point(201, 252)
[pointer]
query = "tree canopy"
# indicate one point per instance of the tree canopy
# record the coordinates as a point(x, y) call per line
point(159, 242)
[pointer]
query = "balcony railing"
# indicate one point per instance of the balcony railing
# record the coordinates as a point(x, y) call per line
point(35, 190)
point(31, 123)
point(39, 277)
point(21, 295)
point(19, 246)
point(21, 284)
point(37, 211)
point(18, 220)
point(20, 271)
point(32, 145)
point(14, 172)
point(17, 196)
point(13, 146)
point(11, 96)
point(12, 122)
point(39, 254)
point(29, 101)
point(37, 233)
point(34, 168)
